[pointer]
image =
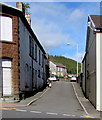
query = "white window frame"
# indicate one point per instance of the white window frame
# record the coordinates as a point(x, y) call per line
point(6, 28)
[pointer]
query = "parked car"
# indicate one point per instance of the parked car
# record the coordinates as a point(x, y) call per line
point(73, 79)
point(57, 78)
point(53, 78)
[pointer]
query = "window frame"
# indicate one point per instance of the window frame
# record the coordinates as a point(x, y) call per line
point(10, 39)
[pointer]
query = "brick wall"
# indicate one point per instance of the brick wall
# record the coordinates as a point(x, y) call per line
point(10, 50)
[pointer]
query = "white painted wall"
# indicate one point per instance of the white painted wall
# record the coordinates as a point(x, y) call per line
point(52, 67)
point(99, 71)
point(56, 70)
point(5, 28)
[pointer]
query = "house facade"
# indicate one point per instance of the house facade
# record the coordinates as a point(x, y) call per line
point(57, 69)
point(92, 62)
point(23, 61)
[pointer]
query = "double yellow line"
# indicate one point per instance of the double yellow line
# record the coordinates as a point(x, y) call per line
point(88, 116)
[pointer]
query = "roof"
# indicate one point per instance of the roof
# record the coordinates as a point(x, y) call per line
point(14, 11)
point(59, 65)
point(4, 4)
point(97, 20)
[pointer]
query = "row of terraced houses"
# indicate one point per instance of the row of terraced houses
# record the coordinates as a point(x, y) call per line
point(23, 61)
point(24, 66)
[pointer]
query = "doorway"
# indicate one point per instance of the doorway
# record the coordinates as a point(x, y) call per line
point(7, 77)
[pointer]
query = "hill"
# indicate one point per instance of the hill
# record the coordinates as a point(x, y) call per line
point(69, 63)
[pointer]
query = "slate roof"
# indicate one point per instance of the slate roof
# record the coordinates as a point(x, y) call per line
point(59, 65)
point(97, 20)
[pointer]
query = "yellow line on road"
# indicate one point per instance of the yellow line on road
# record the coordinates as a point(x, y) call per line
point(88, 116)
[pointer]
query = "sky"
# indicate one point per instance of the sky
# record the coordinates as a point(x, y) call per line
point(57, 23)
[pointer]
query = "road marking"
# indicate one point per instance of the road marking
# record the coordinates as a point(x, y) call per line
point(79, 100)
point(21, 110)
point(51, 113)
point(73, 115)
point(88, 116)
point(66, 115)
point(7, 108)
point(35, 111)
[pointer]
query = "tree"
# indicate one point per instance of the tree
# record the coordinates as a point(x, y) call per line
point(69, 63)
point(25, 7)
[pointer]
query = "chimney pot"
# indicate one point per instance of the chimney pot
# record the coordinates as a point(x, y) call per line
point(19, 5)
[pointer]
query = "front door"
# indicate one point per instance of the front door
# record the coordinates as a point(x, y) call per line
point(7, 85)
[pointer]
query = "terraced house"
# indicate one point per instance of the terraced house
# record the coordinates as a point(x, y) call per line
point(57, 69)
point(24, 64)
point(92, 62)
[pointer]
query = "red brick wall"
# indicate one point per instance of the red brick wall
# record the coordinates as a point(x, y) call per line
point(11, 50)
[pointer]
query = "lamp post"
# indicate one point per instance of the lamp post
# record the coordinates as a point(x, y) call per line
point(77, 55)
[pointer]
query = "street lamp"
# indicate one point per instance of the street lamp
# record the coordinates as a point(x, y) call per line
point(77, 55)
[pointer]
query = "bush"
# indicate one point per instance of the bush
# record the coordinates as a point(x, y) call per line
point(60, 76)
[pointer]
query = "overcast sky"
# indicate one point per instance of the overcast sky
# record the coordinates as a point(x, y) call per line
point(58, 23)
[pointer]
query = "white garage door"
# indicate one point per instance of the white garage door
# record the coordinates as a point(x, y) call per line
point(6, 65)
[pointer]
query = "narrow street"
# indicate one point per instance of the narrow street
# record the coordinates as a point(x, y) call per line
point(58, 102)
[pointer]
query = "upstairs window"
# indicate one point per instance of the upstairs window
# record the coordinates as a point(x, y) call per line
point(42, 60)
point(39, 57)
point(5, 28)
point(35, 52)
point(31, 47)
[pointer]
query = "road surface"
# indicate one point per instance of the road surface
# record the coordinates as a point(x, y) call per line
point(58, 102)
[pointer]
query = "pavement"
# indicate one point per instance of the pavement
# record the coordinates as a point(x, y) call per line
point(85, 103)
point(90, 110)
point(22, 103)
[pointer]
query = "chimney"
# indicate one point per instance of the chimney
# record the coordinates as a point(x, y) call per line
point(19, 5)
point(27, 16)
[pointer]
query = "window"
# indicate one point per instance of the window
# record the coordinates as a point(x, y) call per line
point(6, 28)
point(39, 57)
point(26, 75)
point(33, 75)
point(39, 73)
point(35, 52)
point(43, 75)
point(31, 47)
point(42, 60)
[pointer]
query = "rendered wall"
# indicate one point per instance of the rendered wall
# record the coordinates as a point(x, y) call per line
point(99, 71)
point(91, 67)
point(29, 67)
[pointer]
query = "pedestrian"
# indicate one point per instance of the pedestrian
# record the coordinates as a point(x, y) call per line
point(50, 85)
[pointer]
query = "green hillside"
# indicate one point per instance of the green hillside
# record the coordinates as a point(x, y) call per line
point(69, 63)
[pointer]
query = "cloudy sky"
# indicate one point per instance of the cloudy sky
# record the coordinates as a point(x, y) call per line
point(58, 23)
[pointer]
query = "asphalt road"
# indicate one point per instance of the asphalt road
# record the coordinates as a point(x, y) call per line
point(58, 102)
